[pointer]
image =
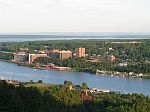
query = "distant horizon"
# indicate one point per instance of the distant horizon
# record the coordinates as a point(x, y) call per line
point(73, 36)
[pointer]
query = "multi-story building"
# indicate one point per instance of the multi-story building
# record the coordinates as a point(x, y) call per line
point(21, 56)
point(65, 54)
point(54, 53)
point(32, 57)
point(80, 52)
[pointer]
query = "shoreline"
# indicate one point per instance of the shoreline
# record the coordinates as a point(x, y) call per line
point(122, 74)
point(33, 67)
point(110, 73)
point(41, 74)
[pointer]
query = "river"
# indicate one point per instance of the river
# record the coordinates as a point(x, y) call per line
point(126, 85)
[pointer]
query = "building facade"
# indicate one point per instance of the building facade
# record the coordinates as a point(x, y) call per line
point(65, 54)
point(54, 53)
point(32, 57)
point(80, 52)
point(21, 56)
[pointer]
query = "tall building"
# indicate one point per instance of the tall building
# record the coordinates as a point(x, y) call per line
point(80, 52)
point(65, 54)
point(21, 56)
point(32, 57)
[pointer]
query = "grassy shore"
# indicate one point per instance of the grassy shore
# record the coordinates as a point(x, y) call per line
point(146, 76)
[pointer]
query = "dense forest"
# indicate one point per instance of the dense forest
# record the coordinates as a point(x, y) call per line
point(60, 99)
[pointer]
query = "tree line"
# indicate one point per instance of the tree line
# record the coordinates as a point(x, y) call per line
point(59, 99)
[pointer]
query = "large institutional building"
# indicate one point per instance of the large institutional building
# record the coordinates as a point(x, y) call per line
point(65, 54)
point(21, 56)
point(80, 52)
point(54, 53)
point(32, 57)
point(61, 54)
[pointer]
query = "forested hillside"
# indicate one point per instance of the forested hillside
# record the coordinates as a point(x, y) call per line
point(59, 99)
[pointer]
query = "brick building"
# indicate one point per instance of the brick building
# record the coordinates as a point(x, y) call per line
point(32, 57)
point(80, 52)
point(65, 54)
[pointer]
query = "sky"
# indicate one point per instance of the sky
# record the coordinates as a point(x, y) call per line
point(74, 16)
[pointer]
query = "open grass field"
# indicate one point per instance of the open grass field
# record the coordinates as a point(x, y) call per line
point(40, 86)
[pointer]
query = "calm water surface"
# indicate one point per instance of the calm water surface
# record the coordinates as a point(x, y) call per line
point(125, 85)
point(45, 39)
point(71, 36)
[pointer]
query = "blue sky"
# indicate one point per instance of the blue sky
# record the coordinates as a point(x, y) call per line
point(74, 16)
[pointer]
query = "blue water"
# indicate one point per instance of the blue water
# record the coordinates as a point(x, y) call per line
point(126, 85)
point(57, 77)
point(21, 37)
